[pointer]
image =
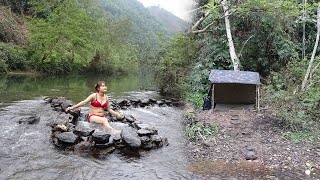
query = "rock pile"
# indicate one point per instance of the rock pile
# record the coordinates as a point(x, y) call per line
point(72, 132)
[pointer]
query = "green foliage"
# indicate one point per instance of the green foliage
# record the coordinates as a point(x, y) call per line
point(64, 40)
point(173, 65)
point(302, 136)
point(298, 111)
point(11, 57)
point(198, 131)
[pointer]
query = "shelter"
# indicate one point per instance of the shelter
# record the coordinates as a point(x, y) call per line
point(235, 87)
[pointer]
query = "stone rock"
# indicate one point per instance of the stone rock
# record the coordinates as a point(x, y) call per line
point(130, 119)
point(156, 138)
point(144, 103)
point(145, 139)
point(152, 101)
point(33, 119)
point(60, 127)
point(101, 137)
point(105, 151)
point(123, 103)
point(144, 132)
point(161, 103)
point(250, 154)
point(84, 146)
point(104, 145)
point(146, 127)
point(130, 138)
point(168, 102)
point(63, 118)
point(149, 145)
point(67, 138)
point(135, 103)
point(64, 105)
point(83, 129)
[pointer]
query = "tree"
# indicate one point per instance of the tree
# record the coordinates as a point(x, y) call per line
point(307, 75)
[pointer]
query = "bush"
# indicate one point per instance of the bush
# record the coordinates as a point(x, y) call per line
point(12, 57)
point(298, 111)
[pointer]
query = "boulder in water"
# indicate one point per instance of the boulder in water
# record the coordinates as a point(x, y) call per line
point(130, 138)
point(101, 137)
point(68, 138)
point(33, 119)
point(83, 129)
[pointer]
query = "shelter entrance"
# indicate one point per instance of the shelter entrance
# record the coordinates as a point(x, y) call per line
point(234, 90)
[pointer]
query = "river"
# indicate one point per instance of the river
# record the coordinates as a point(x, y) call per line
point(27, 153)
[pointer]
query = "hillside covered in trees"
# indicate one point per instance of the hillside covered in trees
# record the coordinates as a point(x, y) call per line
point(59, 37)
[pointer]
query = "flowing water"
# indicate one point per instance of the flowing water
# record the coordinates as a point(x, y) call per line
point(27, 153)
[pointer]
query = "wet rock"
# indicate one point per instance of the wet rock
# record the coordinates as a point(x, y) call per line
point(67, 138)
point(33, 119)
point(60, 127)
point(145, 139)
point(130, 119)
point(123, 102)
point(149, 146)
point(104, 145)
point(144, 103)
point(168, 102)
point(144, 132)
point(161, 103)
point(63, 118)
point(64, 105)
point(130, 138)
point(146, 127)
point(106, 151)
point(83, 146)
point(135, 103)
point(83, 129)
point(152, 101)
point(101, 137)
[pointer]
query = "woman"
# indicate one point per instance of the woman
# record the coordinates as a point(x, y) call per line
point(99, 101)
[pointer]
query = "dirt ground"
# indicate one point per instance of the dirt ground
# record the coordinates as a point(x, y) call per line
point(224, 156)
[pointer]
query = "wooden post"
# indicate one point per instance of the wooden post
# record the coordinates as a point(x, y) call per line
point(212, 97)
point(258, 98)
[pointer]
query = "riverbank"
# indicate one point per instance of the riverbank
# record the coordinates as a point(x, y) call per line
point(24, 73)
point(224, 155)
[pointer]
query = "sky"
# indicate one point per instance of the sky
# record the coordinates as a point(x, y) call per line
point(179, 8)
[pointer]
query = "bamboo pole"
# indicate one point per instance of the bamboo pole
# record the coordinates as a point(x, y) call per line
point(258, 98)
point(212, 97)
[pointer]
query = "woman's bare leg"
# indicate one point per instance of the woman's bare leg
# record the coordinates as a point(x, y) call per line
point(102, 120)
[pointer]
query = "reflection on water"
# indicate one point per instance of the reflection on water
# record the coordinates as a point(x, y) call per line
point(75, 87)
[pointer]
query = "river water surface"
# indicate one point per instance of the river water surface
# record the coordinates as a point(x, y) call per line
point(27, 153)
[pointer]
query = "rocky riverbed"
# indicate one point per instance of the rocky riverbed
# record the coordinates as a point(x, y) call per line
point(251, 145)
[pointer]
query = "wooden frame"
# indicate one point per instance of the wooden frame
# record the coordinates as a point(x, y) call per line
point(212, 97)
point(258, 98)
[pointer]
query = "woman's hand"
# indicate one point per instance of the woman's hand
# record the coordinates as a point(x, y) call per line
point(119, 116)
point(69, 108)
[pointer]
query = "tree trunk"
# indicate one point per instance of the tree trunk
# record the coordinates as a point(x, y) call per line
point(304, 30)
point(234, 57)
point(306, 77)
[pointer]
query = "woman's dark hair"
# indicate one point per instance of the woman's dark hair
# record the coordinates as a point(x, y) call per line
point(97, 86)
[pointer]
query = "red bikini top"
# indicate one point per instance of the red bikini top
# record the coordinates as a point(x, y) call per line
point(97, 104)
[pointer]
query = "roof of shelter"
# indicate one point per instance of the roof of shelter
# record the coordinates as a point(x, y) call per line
point(231, 76)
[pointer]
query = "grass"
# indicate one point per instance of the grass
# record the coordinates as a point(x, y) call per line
point(195, 131)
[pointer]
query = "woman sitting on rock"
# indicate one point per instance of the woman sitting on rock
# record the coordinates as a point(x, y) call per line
point(99, 101)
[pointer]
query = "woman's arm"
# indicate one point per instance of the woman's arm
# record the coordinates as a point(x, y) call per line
point(88, 99)
point(112, 112)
